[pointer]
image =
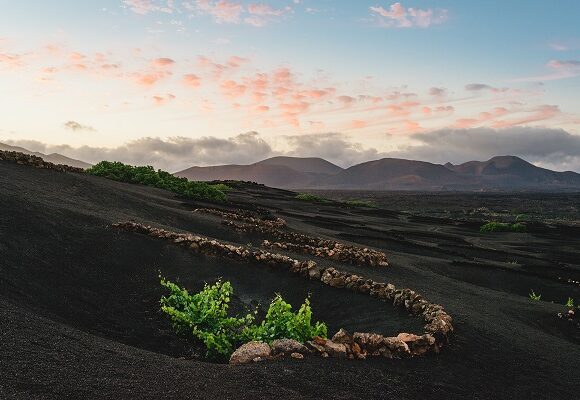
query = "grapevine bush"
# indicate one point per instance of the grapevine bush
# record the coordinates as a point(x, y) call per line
point(204, 316)
point(502, 227)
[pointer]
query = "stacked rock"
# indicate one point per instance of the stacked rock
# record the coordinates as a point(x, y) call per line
point(336, 251)
point(35, 161)
point(244, 216)
point(319, 247)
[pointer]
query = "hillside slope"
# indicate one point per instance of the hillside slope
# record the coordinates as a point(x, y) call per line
point(79, 301)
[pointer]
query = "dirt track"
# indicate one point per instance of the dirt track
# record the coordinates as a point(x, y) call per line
point(79, 302)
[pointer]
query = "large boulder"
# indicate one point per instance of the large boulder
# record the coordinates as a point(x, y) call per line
point(250, 352)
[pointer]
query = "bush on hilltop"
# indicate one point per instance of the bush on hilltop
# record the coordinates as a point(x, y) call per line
point(160, 179)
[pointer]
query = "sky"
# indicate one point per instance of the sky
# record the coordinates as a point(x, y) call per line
point(177, 83)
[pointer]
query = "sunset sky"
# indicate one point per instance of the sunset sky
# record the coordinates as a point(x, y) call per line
point(180, 83)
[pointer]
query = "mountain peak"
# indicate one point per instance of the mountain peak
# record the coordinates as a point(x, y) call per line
point(310, 165)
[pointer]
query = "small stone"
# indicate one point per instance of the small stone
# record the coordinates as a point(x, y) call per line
point(297, 356)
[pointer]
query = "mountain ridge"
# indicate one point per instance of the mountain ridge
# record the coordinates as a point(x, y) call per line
point(54, 158)
point(498, 173)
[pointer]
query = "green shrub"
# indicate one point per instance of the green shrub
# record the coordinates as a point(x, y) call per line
point(204, 316)
point(502, 227)
point(570, 302)
point(221, 187)
point(312, 198)
point(522, 218)
point(282, 323)
point(534, 296)
point(360, 203)
point(161, 179)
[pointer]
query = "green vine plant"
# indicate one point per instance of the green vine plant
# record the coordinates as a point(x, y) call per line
point(534, 296)
point(204, 316)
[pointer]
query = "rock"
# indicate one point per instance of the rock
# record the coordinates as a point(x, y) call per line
point(314, 347)
point(407, 337)
point(287, 346)
point(338, 282)
point(422, 345)
point(369, 342)
point(396, 346)
point(297, 356)
point(337, 350)
point(249, 352)
point(343, 337)
point(319, 340)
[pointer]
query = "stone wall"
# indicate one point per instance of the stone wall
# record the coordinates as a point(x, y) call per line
point(438, 326)
point(35, 161)
point(320, 247)
point(244, 216)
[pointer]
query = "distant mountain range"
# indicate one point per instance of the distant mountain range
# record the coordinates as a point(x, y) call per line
point(498, 173)
point(54, 158)
point(503, 173)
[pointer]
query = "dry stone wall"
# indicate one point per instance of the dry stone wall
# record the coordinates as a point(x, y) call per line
point(244, 216)
point(319, 247)
point(35, 161)
point(438, 328)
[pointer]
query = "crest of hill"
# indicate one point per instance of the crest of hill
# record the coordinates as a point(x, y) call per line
point(311, 165)
point(284, 172)
point(512, 170)
point(497, 173)
point(54, 158)
point(395, 173)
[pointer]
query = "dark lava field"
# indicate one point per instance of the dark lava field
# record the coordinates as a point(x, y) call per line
point(79, 300)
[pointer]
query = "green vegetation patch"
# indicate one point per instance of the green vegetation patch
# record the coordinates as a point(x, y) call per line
point(359, 203)
point(502, 227)
point(160, 179)
point(204, 316)
point(312, 198)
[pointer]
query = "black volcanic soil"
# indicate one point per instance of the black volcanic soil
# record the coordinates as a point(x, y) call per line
point(79, 301)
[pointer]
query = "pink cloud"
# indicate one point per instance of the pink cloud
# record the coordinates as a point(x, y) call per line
point(413, 127)
point(262, 109)
point(236, 61)
point(358, 124)
point(192, 80)
point(223, 11)
point(398, 16)
point(262, 14)
point(143, 7)
point(12, 61)
point(149, 78)
point(217, 69)
point(560, 69)
point(161, 100)
point(232, 89)
point(162, 62)
point(346, 100)
point(540, 113)
point(76, 57)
